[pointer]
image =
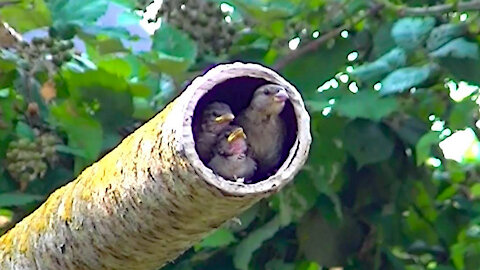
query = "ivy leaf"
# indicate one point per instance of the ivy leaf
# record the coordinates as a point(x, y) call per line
point(457, 48)
point(372, 107)
point(18, 199)
point(173, 50)
point(220, 238)
point(410, 33)
point(405, 78)
point(424, 146)
point(245, 249)
point(26, 15)
point(367, 143)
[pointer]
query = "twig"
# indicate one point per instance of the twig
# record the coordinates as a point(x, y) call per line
point(433, 10)
point(314, 45)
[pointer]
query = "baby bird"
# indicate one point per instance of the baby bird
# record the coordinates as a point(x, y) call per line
point(263, 126)
point(230, 158)
point(215, 118)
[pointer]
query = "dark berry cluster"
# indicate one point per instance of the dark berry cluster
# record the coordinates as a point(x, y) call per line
point(203, 21)
point(47, 53)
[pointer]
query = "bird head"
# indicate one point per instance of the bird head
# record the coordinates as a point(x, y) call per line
point(270, 99)
point(216, 117)
point(232, 141)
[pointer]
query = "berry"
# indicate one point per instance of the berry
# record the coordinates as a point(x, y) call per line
point(203, 21)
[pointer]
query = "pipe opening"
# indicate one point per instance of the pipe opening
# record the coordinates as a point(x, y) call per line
point(237, 93)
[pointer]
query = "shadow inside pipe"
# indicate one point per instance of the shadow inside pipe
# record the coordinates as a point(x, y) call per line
point(237, 93)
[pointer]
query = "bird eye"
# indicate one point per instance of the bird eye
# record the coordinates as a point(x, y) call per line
point(266, 92)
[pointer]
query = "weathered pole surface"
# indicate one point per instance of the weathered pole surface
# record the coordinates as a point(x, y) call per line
point(151, 198)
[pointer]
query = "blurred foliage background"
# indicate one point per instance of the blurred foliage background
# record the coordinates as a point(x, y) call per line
point(390, 85)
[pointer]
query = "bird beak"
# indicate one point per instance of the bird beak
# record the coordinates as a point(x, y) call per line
point(228, 117)
point(236, 134)
point(281, 96)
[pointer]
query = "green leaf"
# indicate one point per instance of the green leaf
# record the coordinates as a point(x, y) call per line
point(26, 15)
point(442, 34)
point(475, 190)
point(405, 78)
point(112, 32)
point(410, 33)
point(308, 266)
point(312, 70)
point(409, 129)
point(424, 146)
point(317, 105)
point(140, 90)
point(245, 249)
point(173, 50)
point(265, 12)
point(367, 143)
point(395, 58)
point(142, 109)
point(458, 48)
point(6, 213)
point(82, 130)
point(18, 199)
point(76, 12)
point(128, 17)
point(70, 151)
point(328, 244)
point(110, 92)
point(25, 131)
point(4, 93)
point(130, 4)
point(116, 66)
point(366, 104)
point(462, 114)
point(462, 69)
point(220, 238)
point(279, 265)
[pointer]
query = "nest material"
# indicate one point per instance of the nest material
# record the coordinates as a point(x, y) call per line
point(152, 198)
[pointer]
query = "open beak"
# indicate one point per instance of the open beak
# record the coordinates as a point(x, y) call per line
point(236, 134)
point(228, 117)
point(281, 96)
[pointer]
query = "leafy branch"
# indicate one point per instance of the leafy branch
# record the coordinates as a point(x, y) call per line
point(401, 10)
point(432, 10)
